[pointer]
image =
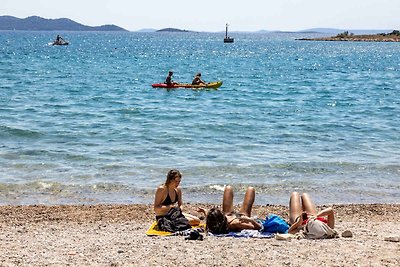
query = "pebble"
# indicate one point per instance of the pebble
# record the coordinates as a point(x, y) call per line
point(347, 234)
point(392, 238)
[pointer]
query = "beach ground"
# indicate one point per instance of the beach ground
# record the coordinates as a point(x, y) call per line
point(114, 235)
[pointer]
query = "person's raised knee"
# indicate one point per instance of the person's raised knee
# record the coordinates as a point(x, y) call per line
point(228, 188)
point(294, 194)
point(251, 189)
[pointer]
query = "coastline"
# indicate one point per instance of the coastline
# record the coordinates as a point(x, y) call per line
point(114, 235)
point(357, 38)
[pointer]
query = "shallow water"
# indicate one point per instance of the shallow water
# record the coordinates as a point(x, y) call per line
point(82, 124)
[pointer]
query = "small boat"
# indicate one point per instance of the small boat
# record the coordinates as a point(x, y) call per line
point(60, 43)
point(227, 39)
point(211, 85)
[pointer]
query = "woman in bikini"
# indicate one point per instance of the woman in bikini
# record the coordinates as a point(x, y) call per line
point(169, 195)
point(301, 208)
point(220, 222)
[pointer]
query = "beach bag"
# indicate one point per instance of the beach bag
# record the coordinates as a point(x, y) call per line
point(275, 224)
point(173, 221)
point(315, 229)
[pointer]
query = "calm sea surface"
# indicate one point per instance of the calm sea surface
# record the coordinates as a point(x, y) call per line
point(82, 124)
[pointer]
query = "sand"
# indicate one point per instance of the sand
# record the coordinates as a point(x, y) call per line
point(114, 235)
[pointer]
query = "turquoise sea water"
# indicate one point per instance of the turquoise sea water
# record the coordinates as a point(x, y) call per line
point(82, 124)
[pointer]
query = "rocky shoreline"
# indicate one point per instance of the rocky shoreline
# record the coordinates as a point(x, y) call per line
point(348, 37)
point(114, 235)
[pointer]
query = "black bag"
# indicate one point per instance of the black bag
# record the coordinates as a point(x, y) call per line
point(173, 221)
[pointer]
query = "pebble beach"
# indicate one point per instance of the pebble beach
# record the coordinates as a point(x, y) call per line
point(318, 117)
point(114, 235)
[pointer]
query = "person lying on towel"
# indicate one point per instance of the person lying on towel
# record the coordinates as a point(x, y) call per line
point(225, 221)
point(304, 216)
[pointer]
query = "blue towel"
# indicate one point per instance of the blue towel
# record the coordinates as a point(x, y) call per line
point(246, 233)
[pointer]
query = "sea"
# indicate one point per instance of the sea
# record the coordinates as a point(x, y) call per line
point(81, 123)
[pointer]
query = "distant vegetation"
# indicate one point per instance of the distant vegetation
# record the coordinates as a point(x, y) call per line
point(347, 34)
point(34, 23)
point(394, 36)
point(344, 34)
point(395, 33)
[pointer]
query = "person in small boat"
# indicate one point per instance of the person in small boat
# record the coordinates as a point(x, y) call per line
point(168, 80)
point(169, 196)
point(227, 220)
point(302, 209)
point(197, 80)
point(59, 40)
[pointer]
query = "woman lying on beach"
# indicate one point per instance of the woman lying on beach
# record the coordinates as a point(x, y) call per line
point(221, 222)
point(302, 210)
point(169, 196)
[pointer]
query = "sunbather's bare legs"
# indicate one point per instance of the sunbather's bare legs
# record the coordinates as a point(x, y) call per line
point(227, 201)
point(295, 208)
point(308, 205)
point(299, 204)
point(248, 201)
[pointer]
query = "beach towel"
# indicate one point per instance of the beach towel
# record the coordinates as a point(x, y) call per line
point(246, 234)
point(155, 231)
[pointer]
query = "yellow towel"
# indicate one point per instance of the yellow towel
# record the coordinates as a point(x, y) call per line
point(153, 231)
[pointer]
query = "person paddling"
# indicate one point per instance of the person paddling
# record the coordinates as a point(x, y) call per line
point(197, 80)
point(168, 80)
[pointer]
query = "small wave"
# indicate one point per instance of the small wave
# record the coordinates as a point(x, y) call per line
point(217, 187)
point(11, 132)
point(129, 111)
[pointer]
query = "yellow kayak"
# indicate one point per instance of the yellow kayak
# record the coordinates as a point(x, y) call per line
point(211, 85)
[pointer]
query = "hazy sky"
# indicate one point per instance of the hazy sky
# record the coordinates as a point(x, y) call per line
point(211, 15)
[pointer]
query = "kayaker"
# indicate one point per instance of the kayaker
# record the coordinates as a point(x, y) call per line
point(168, 80)
point(197, 79)
point(59, 39)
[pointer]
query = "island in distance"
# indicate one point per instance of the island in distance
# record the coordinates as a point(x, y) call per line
point(172, 30)
point(393, 36)
point(35, 23)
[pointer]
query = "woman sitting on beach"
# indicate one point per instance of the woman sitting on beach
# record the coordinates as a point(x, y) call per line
point(169, 196)
point(303, 214)
point(221, 222)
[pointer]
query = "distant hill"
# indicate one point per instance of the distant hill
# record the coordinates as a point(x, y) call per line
point(172, 30)
point(336, 31)
point(36, 23)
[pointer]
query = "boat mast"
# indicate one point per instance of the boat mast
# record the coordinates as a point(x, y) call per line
point(226, 31)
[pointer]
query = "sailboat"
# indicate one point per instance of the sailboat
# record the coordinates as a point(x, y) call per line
point(227, 39)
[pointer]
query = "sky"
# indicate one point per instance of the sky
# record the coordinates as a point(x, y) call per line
point(212, 15)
